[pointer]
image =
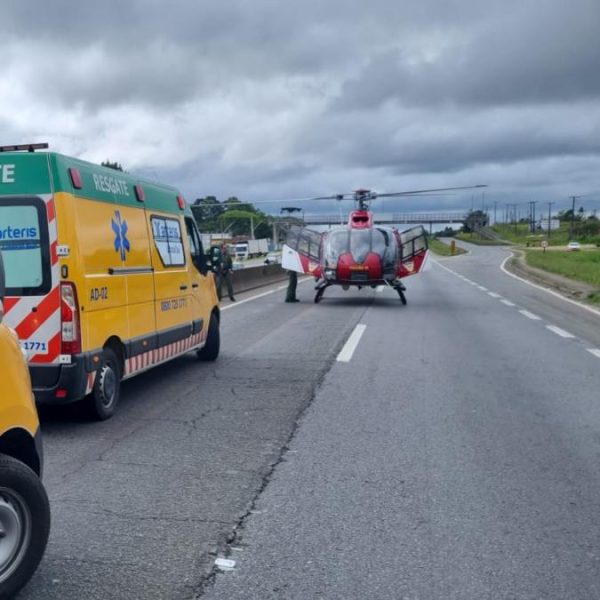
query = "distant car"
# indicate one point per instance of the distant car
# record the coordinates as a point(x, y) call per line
point(573, 246)
point(273, 258)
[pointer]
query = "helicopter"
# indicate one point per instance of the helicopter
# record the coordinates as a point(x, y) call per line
point(360, 253)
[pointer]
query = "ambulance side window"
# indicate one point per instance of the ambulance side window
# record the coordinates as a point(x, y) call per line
point(196, 249)
point(168, 241)
point(25, 245)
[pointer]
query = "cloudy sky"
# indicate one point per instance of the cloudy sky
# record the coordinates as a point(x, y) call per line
point(268, 99)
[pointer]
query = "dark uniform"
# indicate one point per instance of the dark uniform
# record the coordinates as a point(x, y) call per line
point(224, 273)
point(291, 289)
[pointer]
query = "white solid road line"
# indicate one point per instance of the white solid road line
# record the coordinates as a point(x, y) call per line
point(347, 351)
point(239, 302)
point(594, 351)
point(277, 289)
point(539, 287)
point(559, 331)
point(530, 315)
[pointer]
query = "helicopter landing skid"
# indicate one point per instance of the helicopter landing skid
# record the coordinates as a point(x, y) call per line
point(401, 288)
point(400, 291)
point(320, 287)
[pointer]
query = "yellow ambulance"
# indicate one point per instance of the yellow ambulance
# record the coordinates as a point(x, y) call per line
point(24, 508)
point(105, 273)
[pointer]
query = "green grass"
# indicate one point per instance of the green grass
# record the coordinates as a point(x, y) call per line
point(475, 238)
point(443, 249)
point(520, 234)
point(581, 266)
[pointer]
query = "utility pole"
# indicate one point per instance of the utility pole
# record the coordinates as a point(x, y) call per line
point(549, 216)
point(532, 227)
point(495, 204)
point(571, 226)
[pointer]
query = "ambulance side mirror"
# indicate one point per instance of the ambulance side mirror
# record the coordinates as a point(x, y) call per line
point(200, 263)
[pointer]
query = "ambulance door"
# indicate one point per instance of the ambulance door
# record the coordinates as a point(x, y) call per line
point(172, 285)
point(32, 306)
point(202, 282)
point(138, 271)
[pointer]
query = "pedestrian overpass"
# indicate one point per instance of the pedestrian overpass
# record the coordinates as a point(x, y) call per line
point(430, 218)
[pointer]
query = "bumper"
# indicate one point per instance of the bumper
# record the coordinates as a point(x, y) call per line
point(60, 384)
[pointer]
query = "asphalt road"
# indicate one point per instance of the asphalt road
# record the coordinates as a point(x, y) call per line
point(455, 454)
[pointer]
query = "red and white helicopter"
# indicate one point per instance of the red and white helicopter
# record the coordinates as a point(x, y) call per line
point(361, 253)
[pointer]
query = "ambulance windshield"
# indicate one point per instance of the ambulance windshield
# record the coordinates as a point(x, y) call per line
point(23, 242)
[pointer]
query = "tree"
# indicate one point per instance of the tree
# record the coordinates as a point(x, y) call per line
point(206, 210)
point(112, 165)
point(237, 217)
point(475, 220)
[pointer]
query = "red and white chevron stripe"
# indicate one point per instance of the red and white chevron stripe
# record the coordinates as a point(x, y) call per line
point(36, 319)
point(143, 362)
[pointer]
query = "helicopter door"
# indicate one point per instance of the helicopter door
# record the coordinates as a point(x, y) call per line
point(413, 251)
point(302, 251)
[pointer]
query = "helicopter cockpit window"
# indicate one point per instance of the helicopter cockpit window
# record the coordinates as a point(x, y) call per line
point(384, 244)
point(291, 238)
point(360, 244)
point(413, 242)
point(337, 244)
point(305, 241)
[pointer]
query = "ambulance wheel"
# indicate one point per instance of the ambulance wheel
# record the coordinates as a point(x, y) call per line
point(24, 524)
point(213, 341)
point(104, 398)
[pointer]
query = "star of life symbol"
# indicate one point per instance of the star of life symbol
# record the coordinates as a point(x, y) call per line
point(121, 242)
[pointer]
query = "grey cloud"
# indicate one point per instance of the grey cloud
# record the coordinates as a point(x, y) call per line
point(539, 53)
point(265, 99)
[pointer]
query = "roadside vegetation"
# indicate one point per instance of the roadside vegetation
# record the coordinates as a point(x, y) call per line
point(443, 249)
point(520, 234)
point(582, 265)
point(474, 237)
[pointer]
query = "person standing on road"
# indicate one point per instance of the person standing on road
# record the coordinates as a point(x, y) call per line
point(290, 295)
point(225, 273)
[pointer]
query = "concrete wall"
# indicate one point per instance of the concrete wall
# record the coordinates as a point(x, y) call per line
point(250, 278)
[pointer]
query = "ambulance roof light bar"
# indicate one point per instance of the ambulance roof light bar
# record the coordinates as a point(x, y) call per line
point(26, 147)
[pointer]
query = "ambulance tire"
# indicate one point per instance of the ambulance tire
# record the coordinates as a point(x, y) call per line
point(213, 341)
point(103, 400)
point(25, 523)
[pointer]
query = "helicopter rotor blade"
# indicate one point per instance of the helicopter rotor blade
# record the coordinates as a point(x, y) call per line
point(420, 192)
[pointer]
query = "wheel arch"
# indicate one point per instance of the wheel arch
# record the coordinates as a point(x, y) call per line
point(20, 445)
point(117, 346)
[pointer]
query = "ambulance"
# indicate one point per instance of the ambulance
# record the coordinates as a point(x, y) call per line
point(24, 507)
point(105, 275)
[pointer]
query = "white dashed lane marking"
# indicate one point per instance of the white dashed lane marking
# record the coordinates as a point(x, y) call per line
point(530, 315)
point(350, 346)
point(553, 328)
point(559, 331)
